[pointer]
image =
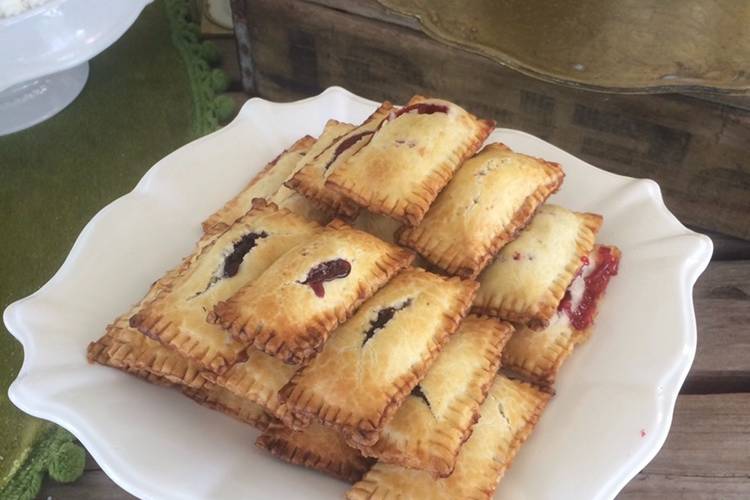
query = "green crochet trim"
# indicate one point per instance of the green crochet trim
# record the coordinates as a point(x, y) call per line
point(55, 453)
point(210, 109)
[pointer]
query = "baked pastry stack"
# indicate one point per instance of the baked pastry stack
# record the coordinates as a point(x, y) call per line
point(303, 312)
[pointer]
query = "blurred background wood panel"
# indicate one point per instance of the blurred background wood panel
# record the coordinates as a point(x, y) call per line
point(695, 148)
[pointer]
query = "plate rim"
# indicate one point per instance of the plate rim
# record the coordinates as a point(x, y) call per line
point(696, 262)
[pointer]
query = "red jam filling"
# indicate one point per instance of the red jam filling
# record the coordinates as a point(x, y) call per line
point(326, 271)
point(596, 283)
point(422, 108)
point(346, 144)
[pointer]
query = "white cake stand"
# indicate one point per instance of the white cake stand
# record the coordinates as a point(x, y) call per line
point(43, 61)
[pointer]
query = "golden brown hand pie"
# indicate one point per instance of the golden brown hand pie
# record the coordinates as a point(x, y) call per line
point(373, 361)
point(259, 379)
point(315, 447)
point(528, 278)
point(291, 308)
point(538, 354)
point(410, 158)
point(491, 197)
point(310, 179)
point(437, 417)
point(507, 417)
point(126, 349)
point(264, 185)
point(221, 400)
point(296, 202)
point(177, 317)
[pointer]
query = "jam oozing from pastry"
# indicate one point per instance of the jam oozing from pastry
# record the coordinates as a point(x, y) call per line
point(384, 316)
point(595, 279)
point(418, 393)
point(422, 108)
point(233, 261)
point(346, 144)
point(326, 271)
point(241, 248)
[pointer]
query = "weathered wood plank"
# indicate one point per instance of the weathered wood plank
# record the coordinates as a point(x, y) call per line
point(704, 457)
point(93, 485)
point(660, 487)
point(727, 247)
point(695, 149)
point(722, 308)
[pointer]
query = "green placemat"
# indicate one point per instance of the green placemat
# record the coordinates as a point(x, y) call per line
point(149, 93)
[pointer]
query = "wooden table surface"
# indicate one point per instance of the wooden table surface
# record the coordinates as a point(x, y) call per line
point(707, 453)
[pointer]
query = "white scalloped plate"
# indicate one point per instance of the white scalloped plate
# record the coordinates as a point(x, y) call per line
point(615, 396)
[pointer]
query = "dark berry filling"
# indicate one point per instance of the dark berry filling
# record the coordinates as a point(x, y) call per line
point(384, 316)
point(422, 108)
point(326, 271)
point(241, 248)
point(417, 393)
point(346, 144)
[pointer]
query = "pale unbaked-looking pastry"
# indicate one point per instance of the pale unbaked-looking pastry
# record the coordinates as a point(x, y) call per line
point(437, 417)
point(310, 179)
point(492, 196)
point(291, 308)
point(315, 447)
point(538, 354)
point(177, 317)
point(529, 276)
point(373, 361)
point(507, 417)
point(410, 158)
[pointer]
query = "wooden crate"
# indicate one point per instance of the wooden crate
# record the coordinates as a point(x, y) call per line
point(695, 147)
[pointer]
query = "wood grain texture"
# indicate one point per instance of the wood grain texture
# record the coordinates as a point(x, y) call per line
point(722, 309)
point(696, 149)
point(705, 457)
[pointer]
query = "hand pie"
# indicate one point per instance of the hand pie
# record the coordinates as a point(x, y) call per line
point(315, 447)
point(296, 202)
point(410, 158)
point(437, 417)
point(291, 308)
point(374, 360)
point(491, 197)
point(258, 379)
point(177, 317)
point(221, 400)
point(264, 185)
point(310, 179)
point(125, 348)
point(538, 354)
point(527, 280)
point(507, 417)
